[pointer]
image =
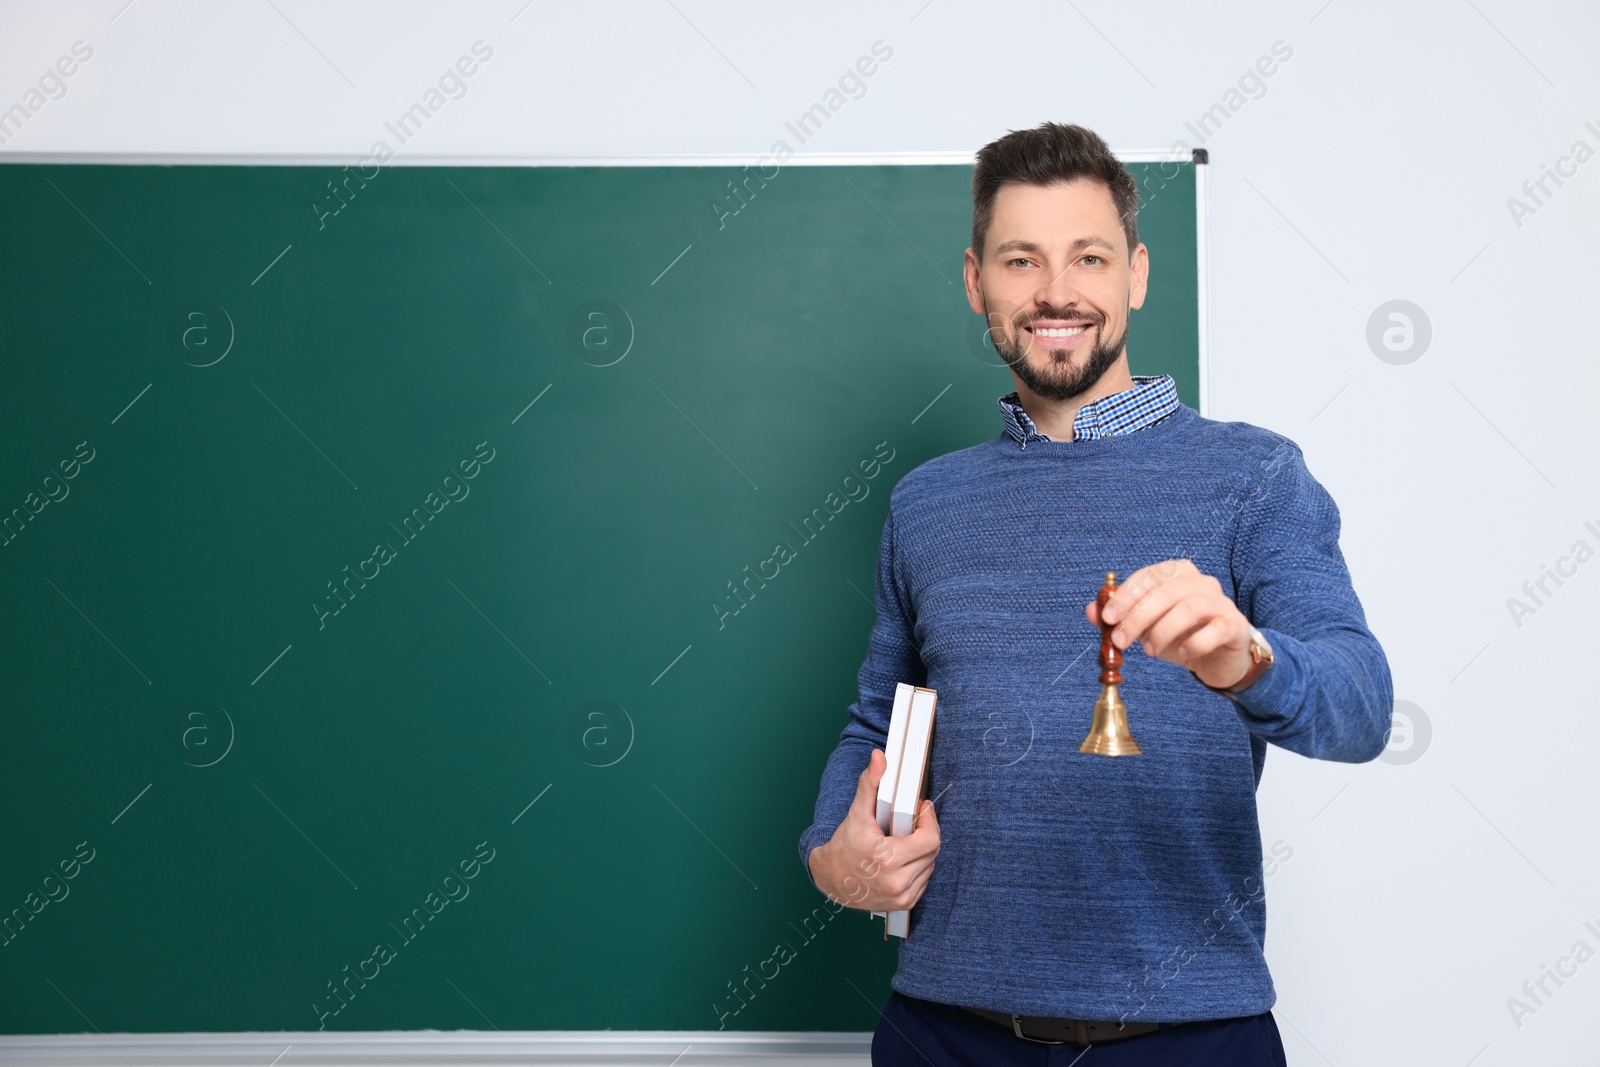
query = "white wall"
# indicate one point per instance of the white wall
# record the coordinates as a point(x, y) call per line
point(1376, 166)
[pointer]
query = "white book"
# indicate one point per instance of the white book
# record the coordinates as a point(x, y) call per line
point(893, 745)
point(911, 789)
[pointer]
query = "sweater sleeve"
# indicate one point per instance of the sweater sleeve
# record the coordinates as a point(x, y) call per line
point(1328, 694)
point(892, 657)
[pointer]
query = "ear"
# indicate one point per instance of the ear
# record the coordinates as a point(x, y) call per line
point(969, 274)
point(1139, 267)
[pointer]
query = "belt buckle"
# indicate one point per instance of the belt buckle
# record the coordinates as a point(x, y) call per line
point(1080, 1028)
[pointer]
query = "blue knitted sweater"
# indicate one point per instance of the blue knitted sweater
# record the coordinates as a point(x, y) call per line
point(1078, 885)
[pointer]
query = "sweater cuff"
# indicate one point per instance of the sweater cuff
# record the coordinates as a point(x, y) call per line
point(808, 841)
point(1279, 692)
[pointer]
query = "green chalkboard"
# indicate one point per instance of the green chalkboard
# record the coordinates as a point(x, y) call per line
point(363, 555)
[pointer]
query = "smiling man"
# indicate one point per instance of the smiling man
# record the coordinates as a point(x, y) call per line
point(1060, 898)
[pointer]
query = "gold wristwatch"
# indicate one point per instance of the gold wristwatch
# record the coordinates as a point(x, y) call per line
point(1260, 660)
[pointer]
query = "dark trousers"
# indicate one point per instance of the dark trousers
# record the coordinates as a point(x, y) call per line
point(916, 1033)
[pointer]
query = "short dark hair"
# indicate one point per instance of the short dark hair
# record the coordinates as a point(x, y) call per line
point(1050, 153)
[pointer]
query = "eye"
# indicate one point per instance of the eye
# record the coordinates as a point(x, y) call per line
point(1009, 262)
point(1094, 257)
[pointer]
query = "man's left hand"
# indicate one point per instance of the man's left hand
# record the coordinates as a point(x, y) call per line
point(1182, 616)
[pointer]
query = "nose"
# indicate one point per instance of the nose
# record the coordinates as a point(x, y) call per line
point(1058, 289)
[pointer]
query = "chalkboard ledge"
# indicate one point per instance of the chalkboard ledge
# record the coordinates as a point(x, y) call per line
point(457, 1048)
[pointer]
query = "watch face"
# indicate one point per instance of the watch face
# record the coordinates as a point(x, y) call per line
point(1259, 638)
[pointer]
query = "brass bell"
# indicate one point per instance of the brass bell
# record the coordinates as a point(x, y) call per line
point(1108, 734)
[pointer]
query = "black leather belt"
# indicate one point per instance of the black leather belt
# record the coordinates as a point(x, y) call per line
point(1048, 1030)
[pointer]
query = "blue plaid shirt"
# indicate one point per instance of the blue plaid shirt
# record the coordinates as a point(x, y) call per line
point(1152, 398)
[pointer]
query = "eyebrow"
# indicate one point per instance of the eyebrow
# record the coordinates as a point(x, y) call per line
point(1029, 246)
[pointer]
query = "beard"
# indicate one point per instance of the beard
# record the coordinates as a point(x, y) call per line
point(1058, 379)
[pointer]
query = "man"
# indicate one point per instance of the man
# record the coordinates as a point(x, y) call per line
point(1106, 904)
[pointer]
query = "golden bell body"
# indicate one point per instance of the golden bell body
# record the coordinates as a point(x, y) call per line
point(1108, 733)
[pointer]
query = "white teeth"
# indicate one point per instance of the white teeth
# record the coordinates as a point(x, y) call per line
point(1072, 332)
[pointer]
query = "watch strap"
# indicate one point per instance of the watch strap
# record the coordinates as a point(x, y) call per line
point(1261, 659)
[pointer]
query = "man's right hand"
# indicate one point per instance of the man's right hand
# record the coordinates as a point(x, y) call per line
point(862, 867)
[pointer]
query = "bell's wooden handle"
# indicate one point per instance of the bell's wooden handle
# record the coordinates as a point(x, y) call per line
point(1110, 654)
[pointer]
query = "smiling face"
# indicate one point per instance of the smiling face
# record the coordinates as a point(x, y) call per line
point(1057, 283)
